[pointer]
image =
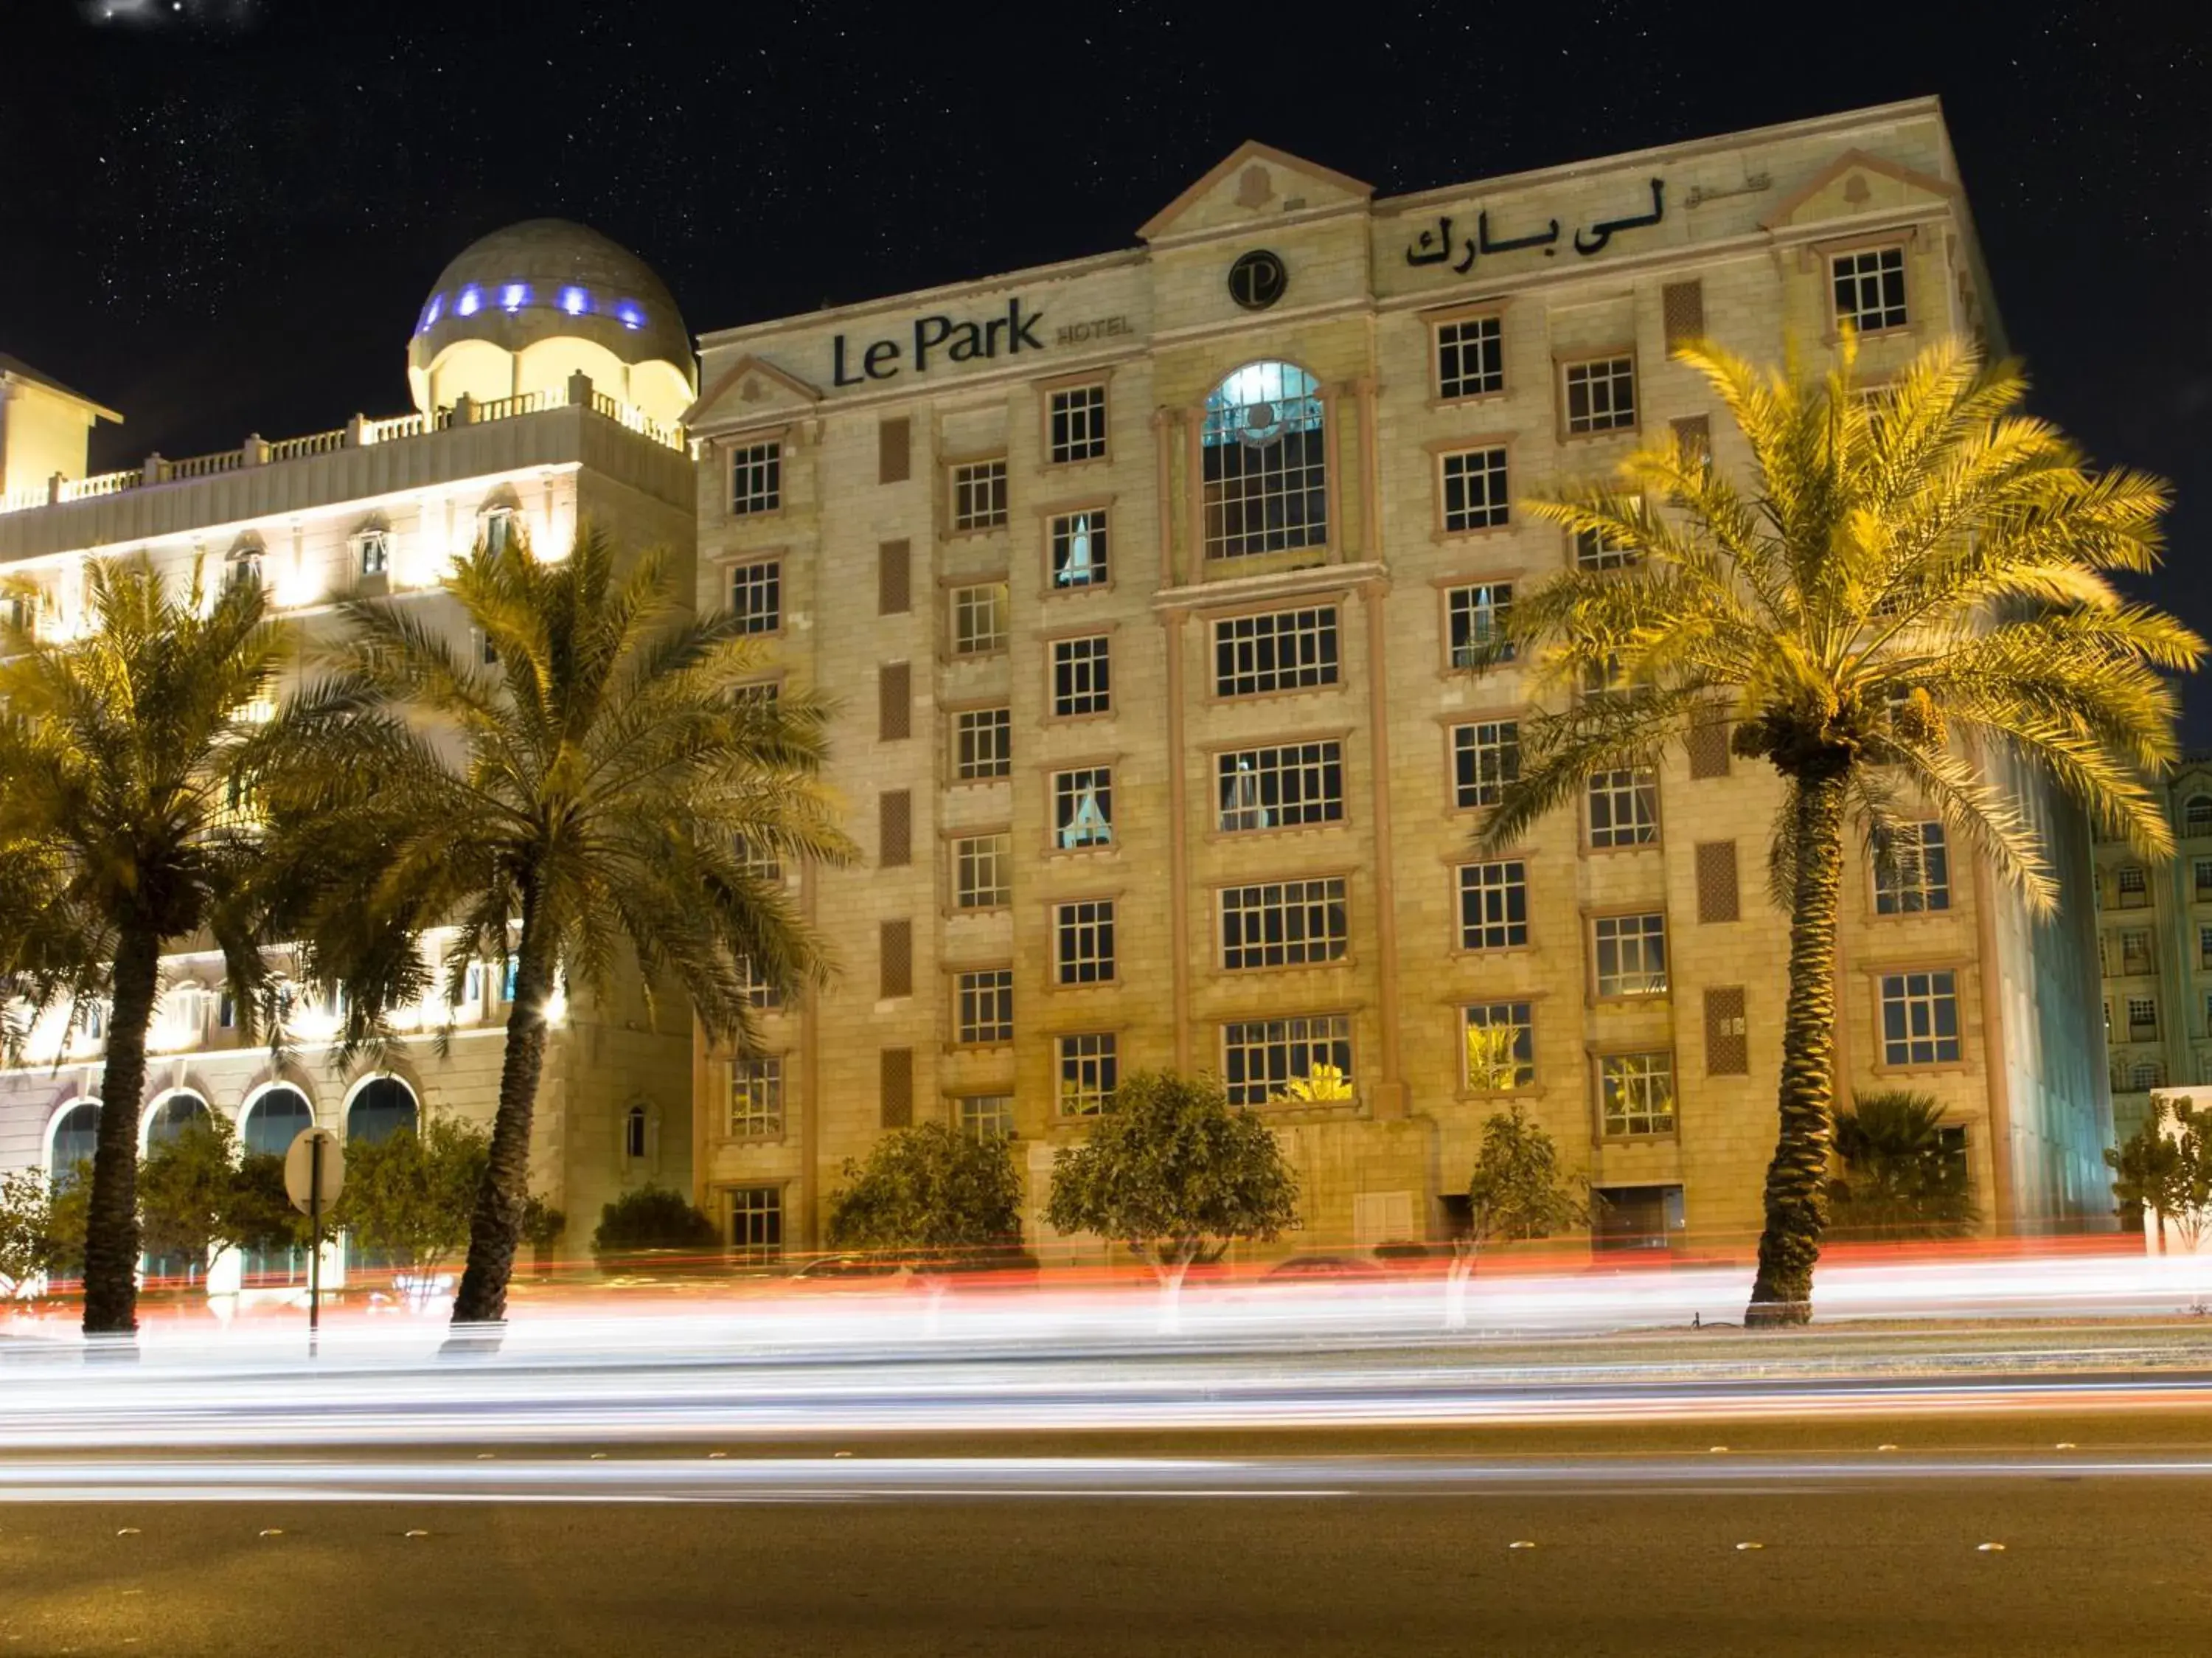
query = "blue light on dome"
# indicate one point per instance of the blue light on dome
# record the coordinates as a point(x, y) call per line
point(575, 301)
point(514, 296)
point(437, 307)
point(632, 315)
point(472, 301)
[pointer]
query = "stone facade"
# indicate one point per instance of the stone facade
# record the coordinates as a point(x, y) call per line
point(896, 491)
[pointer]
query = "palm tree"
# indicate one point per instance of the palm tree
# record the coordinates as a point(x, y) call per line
point(1901, 1177)
point(1913, 591)
point(604, 791)
point(124, 757)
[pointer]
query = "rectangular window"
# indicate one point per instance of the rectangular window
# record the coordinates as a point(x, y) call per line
point(893, 702)
point(1287, 1061)
point(1635, 1093)
point(1283, 923)
point(2204, 948)
point(1494, 905)
point(985, 1006)
point(1595, 550)
point(1280, 788)
point(1082, 807)
point(1486, 757)
point(1475, 489)
point(1632, 954)
point(1500, 1043)
point(1276, 651)
point(1470, 357)
point(982, 743)
point(756, 1222)
point(1682, 313)
point(1918, 873)
point(1623, 807)
point(1078, 549)
point(894, 578)
point(982, 871)
point(2142, 1019)
point(979, 495)
point(1475, 617)
point(1919, 1018)
point(2201, 874)
point(1728, 1032)
point(2134, 886)
point(1693, 436)
point(1083, 941)
point(1078, 424)
point(1602, 395)
point(894, 829)
point(895, 1088)
point(894, 450)
point(1264, 463)
point(375, 552)
point(1707, 745)
point(756, 478)
point(1088, 1073)
point(2134, 951)
point(979, 618)
point(1719, 890)
point(757, 596)
point(756, 1098)
point(895, 959)
point(985, 1115)
point(1870, 289)
point(1082, 678)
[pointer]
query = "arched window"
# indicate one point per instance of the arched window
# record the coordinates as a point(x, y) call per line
point(244, 563)
point(274, 1121)
point(2196, 816)
point(171, 1115)
point(1265, 460)
point(76, 1136)
point(380, 1109)
point(634, 1134)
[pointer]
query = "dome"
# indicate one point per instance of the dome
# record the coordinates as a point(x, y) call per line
point(521, 309)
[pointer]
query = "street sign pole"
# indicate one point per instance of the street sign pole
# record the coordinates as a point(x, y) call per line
point(314, 1174)
point(315, 1254)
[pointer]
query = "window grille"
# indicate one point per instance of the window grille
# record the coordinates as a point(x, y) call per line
point(1682, 313)
point(1486, 757)
point(1283, 923)
point(894, 828)
point(895, 959)
point(1082, 679)
point(894, 450)
point(1083, 941)
point(1264, 463)
point(1089, 1072)
point(1919, 875)
point(1494, 905)
point(1476, 496)
point(1870, 289)
point(756, 1098)
point(1500, 1040)
point(1635, 1093)
point(979, 495)
point(1476, 618)
point(757, 596)
point(756, 478)
point(895, 1088)
point(893, 578)
point(1470, 357)
point(982, 871)
point(1279, 1061)
point(1623, 807)
point(893, 702)
point(979, 618)
point(982, 743)
point(1280, 788)
point(1719, 890)
point(1632, 954)
point(1600, 395)
point(984, 1010)
point(1078, 424)
point(1082, 807)
point(1919, 1018)
point(1078, 549)
point(1276, 651)
point(1728, 1032)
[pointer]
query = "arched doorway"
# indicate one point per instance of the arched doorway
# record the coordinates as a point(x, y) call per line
point(172, 1113)
point(272, 1120)
point(171, 1116)
point(380, 1109)
point(74, 1138)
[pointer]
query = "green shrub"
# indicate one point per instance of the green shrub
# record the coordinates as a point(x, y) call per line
point(652, 1217)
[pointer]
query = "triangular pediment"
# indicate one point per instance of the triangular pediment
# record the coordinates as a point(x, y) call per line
point(1857, 182)
point(1255, 181)
point(752, 388)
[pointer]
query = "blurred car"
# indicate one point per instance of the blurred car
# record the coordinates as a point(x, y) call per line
point(1324, 1268)
point(852, 1272)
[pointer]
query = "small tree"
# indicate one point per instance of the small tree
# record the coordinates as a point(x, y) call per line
point(652, 1217)
point(188, 1191)
point(26, 1228)
point(930, 1190)
point(1517, 1193)
point(411, 1194)
point(1176, 1175)
point(2166, 1166)
point(261, 1216)
point(1900, 1179)
point(541, 1225)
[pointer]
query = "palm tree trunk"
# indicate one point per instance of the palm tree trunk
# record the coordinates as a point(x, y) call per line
point(111, 1222)
point(495, 1231)
point(1797, 1181)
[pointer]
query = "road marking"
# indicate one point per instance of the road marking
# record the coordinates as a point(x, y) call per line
point(1742, 1548)
point(1989, 1548)
point(2065, 1445)
point(1524, 1543)
point(273, 1530)
point(1717, 1450)
point(1885, 1448)
point(418, 1534)
point(128, 1531)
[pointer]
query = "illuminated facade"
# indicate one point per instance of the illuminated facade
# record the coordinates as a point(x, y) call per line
point(529, 415)
point(1144, 584)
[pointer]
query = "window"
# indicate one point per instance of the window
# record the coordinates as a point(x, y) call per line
point(1287, 1061)
point(894, 959)
point(1494, 905)
point(894, 578)
point(895, 1088)
point(2196, 816)
point(756, 1098)
point(1083, 941)
point(1623, 807)
point(984, 1007)
point(1727, 1032)
point(2135, 889)
point(755, 988)
point(2142, 1019)
point(1078, 549)
point(245, 569)
point(982, 871)
point(1719, 890)
point(497, 528)
point(1632, 954)
point(1870, 289)
point(1082, 681)
point(1082, 807)
point(2201, 873)
point(1919, 1018)
point(1276, 650)
point(2145, 1074)
point(894, 449)
point(893, 702)
point(757, 596)
point(1281, 788)
point(1919, 876)
point(1500, 1043)
point(1486, 757)
point(1088, 1073)
point(1283, 923)
point(894, 830)
point(1265, 462)
point(1682, 313)
point(1600, 395)
point(985, 1115)
point(1595, 550)
point(979, 495)
point(372, 552)
point(2204, 948)
point(226, 1012)
point(1470, 357)
point(983, 742)
point(1635, 1093)
point(1708, 746)
point(756, 1222)
point(1078, 424)
point(979, 618)
point(756, 478)
point(1475, 489)
point(1475, 620)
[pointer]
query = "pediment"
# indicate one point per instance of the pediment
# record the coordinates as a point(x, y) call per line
point(751, 389)
point(1255, 181)
point(1856, 183)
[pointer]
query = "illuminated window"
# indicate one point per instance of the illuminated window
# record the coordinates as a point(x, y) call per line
point(372, 552)
point(1475, 489)
point(1470, 357)
point(1089, 1072)
point(1600, 395)
point(756, 1098)
point(244, 568)
point(499, 528)
point(756, 478)
point(1919, 878)
point(1635, 1093)
point(1082, 807)
point(979, 619)
point(1494, 905)
point(979, 495)
point(757, 596)
point(1082, 681)
point(1486, 757)
point(982, 871)
point(1476, 617)
point(984, 1007)
point(1265, 462)
point(756, 1222)
point(983, 742)
point(1870, 289)
point(1632, 954)
point(985, 1115)
point(1283, 923)
point(1287, 1061)
point(1078, 424)
point(1919, 1018)
point(1278, 650)
point(1083, 941)
point(1624, 806)
point(1499, 1039)
point(1280, 788)
point(1078, 549)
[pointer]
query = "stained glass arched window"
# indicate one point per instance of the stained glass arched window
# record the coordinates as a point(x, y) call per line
point(1265, 462)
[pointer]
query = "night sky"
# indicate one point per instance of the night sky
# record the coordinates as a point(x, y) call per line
point(223, 216)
